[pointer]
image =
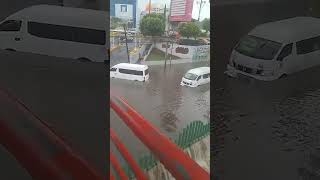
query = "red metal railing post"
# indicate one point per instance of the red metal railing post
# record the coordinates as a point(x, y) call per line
point(125, 153)
point(117, 167)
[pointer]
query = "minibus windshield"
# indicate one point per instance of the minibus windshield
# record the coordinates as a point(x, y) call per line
point(258, 47)
point(190, 76)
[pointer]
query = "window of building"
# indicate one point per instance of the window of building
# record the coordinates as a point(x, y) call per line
point(124, 8)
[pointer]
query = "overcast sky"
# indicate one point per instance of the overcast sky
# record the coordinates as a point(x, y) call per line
point(205, 12)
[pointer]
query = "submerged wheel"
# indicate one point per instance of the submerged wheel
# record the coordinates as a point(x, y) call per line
point(84, 60)
point(283, 76)
point(12, 50)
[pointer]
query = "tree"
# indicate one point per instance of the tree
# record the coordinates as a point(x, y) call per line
point(115, 22)
point(189, 29)
point(152, 25)
point(206, 24)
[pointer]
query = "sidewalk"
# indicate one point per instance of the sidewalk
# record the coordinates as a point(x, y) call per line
point(174, 61)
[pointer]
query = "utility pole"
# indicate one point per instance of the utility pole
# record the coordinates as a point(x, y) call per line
point(171, 51)
point(166, 36)
point(149, 6)
point(125, 34)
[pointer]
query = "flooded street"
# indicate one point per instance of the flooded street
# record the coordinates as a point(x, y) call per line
point(167, 105)
point(265, 130)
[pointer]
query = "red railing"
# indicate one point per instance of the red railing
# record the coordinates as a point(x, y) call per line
point(36, 147)
point(179, 164)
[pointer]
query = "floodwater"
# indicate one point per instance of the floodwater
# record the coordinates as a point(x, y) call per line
point(167, 105)
point(264, 130)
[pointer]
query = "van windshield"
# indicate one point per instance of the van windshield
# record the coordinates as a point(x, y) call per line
point(258, 47)
point(190, 76)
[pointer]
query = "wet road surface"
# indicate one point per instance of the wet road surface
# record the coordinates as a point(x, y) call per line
point(269, 127)
point(162, 101)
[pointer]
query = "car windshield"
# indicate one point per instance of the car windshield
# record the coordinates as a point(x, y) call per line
point(190, 76)
point(258, 47)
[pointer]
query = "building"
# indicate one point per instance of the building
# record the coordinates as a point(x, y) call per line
point(181, 10)
point(126, 10)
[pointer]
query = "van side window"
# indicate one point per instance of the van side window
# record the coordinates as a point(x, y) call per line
point(205, 76)
point(286, 51)
point(113, 69)
point(198, 78)
point(133, 72)
point(67, 33)
point(308, 45)
point(10, 25)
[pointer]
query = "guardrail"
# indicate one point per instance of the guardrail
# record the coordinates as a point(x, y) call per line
point(179, 164)
point(190, 135)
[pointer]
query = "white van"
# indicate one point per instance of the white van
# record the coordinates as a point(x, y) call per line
point(277, 49)
point(57, 31)
point(196, 77)
point(135, 72)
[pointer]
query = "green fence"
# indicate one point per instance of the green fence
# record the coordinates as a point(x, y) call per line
point(191, 134)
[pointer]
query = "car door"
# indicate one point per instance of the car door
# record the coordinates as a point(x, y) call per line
point(199, 80)
point(113, 72)
point(286, 61)
point(10, 35)
point(206, 78)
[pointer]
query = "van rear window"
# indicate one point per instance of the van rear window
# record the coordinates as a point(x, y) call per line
point(133, 72)
point(67, 33)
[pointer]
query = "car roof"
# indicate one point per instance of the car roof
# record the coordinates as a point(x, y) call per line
point(64, 16)
point(288, 30)
point(131, 66)
point(200, 70)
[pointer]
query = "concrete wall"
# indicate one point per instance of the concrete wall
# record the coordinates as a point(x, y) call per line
point(188, 53)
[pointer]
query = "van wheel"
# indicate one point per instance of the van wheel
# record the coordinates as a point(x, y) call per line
point(12, 50)
point(283, 76)
point(84, 60)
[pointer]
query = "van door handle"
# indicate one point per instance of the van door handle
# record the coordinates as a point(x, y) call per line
point(17, 39)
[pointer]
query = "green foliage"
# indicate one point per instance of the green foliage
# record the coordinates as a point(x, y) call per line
point(206, 24)
point(115, 22)
point(190, 135)
point(152, 25)
point(189, 29)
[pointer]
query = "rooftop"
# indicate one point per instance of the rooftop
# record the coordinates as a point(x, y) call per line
point(288, 30)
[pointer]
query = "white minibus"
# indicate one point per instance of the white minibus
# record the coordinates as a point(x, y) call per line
point(57, 31)
point(135, 72)
point(196, 77)
point(277, 49)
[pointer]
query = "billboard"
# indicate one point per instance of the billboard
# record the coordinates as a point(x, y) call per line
point(181, 10)
point(124, 11)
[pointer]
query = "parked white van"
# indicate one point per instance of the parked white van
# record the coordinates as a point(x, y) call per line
point(135, 72)
point(196, 77)
point(57, 31)
point(277, 49)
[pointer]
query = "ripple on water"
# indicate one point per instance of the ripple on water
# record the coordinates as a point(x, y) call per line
point(299, 126)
